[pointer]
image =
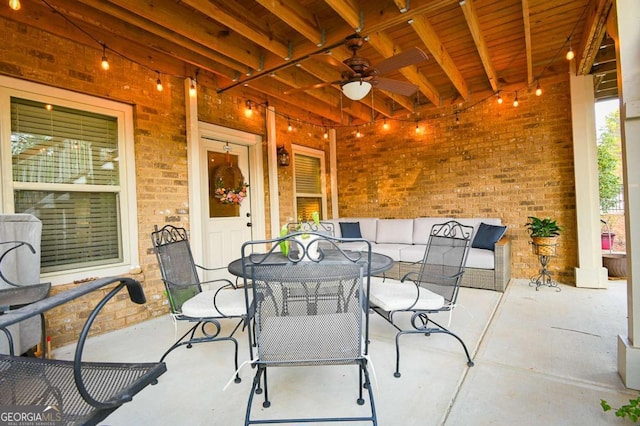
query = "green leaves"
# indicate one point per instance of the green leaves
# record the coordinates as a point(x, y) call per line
point(630, 410)
point(542, 227)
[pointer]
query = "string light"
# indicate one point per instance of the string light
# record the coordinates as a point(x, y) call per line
point(385, 125)
point(499, 99)
point(15, 4)
point(515, 101)
point(570, 54)
point(159, 83)
point(358, 134)
point(248, 112)
point(417, 127)
point(192, 88)
point(326, 133)
point(289, 126)
point(105, 62)
point(538, 89)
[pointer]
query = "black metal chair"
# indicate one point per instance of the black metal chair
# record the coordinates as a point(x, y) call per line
point(72, 392)
point(187, 299)
point(321, 227)
point(432, 288)
point(310, 309)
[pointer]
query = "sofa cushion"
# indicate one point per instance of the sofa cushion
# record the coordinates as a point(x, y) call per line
point(487, 236)
point(394, 231)
point(422, 228)
point(391, 250)
point(412, 253)
point(480, 258)
point(350, 230)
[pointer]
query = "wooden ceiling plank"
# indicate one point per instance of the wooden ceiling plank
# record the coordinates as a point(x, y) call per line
point(385, 46)
point(297, 17)
point(159, 31)
point(470, 15)
point(171, 16)
point(593, 35)
point(241, 26)
point(348, 10)
point(302, 101)
point(428, 35)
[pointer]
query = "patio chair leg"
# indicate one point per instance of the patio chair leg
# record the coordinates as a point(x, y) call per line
point(360, 400)
point(266, 403)
point(397, 373)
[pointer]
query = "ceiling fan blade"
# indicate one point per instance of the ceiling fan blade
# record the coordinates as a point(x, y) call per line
point(394, 86)
point(328, 59)
point(408, 57)
point(313, 86)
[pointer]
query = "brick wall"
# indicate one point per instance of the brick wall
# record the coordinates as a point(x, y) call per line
point(498, 161)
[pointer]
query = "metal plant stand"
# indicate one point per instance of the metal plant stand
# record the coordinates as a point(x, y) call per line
point(544, 252)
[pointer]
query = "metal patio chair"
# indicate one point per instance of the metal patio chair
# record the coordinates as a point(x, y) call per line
point(433, 288)
point(310, 309)
point(187, 299)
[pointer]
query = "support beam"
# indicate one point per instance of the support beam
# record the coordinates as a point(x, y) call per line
point(595, 29)
point(297, 17)
point(469, 11)
point(527, 39)
point(429, 37)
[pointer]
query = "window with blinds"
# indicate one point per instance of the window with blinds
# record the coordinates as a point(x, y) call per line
point(65, 172)
point(309, 189)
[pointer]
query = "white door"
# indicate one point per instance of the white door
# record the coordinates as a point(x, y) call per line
point(226, 203)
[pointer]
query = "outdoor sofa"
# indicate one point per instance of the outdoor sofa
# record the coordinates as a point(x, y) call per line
point(404, 240)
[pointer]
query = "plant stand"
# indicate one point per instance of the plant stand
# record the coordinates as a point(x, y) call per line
point(544, 252)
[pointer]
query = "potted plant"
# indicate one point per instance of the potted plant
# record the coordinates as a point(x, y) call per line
point(544, 234)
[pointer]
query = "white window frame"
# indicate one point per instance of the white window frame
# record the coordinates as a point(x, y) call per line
point(11, 87)
point(310, 152)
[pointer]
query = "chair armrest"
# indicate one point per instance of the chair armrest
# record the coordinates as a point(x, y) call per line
point(502, 259)
point(136, 295)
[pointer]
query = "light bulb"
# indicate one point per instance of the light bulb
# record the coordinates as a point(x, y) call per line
point(105, 63)
point(358, 134)
point(538, 90)
point(385, 125)
point(289, 126)
point(159, 84)
point(417, 128)
point(15, 4)
point(248, 112)
point(515, 101)
point(570, 54)
point(499, 99)
point(326, 134)
point(192, 88)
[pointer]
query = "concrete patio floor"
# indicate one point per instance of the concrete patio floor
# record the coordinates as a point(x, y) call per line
point(541, 358)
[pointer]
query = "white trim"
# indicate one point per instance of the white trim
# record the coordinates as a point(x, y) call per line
point(333, 165)
point(128, 200)
point(311, 152)
point(193, 172)
point(272, 153)
point(253, 143)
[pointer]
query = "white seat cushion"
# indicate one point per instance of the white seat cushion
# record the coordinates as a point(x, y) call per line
point(230, 302)
point(481, 259)
point(412, 253)
point(394, 231)
point(392, 295)
point(391, 250)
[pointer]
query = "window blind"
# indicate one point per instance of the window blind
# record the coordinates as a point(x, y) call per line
point(307, 170)
point(63, 146)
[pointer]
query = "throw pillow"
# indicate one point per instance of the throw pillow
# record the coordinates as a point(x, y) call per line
point(350, 230)
point(487, 236)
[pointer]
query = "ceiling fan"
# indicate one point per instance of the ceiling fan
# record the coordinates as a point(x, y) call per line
point(358, 76)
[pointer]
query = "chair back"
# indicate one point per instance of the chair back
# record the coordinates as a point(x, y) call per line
point(445, 258)
point(321, 227)
point(310, 306)
point(177, 267)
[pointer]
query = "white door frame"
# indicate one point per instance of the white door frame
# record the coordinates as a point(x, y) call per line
point(256, 188)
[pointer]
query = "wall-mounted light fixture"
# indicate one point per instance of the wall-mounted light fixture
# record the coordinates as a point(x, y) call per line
point(283, 156)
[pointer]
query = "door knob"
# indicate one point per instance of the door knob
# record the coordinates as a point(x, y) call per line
point(249, 224)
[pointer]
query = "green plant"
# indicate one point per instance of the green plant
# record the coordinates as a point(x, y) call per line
point(609, 162)
point(546, 227)
point(631, 410)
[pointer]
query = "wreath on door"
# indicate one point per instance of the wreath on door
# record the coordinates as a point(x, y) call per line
point(225, 178)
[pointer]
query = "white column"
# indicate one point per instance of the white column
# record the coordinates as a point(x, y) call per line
point(193, 144)
point(589, 272)
point(272, 164)
point(627, 42)
point(333, 156)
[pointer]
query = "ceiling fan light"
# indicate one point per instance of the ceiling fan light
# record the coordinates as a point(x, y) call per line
point(356, 90)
